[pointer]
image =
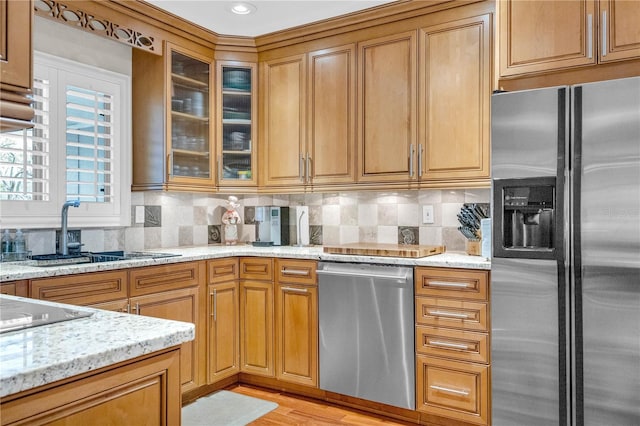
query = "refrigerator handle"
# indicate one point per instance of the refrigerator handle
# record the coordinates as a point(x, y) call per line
point(576, 259)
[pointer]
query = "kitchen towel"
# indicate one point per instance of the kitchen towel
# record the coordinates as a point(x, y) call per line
point(225, 408)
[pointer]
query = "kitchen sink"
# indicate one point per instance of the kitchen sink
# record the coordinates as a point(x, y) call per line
point(95, 257)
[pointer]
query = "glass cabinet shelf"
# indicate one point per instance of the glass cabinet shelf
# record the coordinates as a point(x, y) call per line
point(236, 151)
point(190, 128)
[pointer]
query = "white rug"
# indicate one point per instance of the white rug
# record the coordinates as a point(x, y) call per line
point(225, 408)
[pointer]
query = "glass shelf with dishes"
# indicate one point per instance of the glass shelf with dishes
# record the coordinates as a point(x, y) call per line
point(237, 150)
point(190, 124)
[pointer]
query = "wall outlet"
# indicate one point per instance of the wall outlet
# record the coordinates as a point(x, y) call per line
point(139, 214)
point(427, 214)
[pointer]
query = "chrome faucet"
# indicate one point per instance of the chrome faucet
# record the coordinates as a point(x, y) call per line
point(64, 238)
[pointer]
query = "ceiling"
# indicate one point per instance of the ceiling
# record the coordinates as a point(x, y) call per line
point(269, 16)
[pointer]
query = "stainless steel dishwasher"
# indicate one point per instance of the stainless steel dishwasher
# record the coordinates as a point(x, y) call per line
point(367, 332)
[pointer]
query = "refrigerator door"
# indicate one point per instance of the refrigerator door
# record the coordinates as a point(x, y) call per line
point(525, 343)
point(529, 347)
point(606, 247)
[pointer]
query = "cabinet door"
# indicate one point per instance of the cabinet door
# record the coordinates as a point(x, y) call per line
point(283, 112)
point(331, 143)
point(455, 72)
point(238, 130)
point(387, 109)
point(256, 327)
point(178, 305)
point(546, 35)
point(297, 334)
point(15, 45)
point(619, 30)
point(145, 391)
point(189, 133)
point(453, 389)
point(224, 330)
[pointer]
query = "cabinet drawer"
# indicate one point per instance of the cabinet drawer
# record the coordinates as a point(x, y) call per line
point(457, 283)
point(222, 270)
point(453, 389)
point(455, 344)
point(255, 268)
point(82, 289)
point(450, 313)
point(296, 271)
point(154, 279)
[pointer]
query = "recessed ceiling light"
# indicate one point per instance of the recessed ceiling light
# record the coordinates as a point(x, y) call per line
point(242, 8)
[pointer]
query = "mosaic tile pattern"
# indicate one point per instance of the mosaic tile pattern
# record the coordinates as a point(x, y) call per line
point(185, 219)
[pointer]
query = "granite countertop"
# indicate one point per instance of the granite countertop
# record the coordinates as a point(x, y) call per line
point(40, 355)
point(12, 271)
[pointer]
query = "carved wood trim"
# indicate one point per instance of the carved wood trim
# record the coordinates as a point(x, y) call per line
point(78, 18)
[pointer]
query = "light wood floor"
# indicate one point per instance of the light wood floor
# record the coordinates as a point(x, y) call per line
point(296, 410)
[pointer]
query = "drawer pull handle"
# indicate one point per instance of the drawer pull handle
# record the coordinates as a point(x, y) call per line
point(448, 314)
point(450, 390)
point(296, 290)
point(299, 272)
point(448, 284)
point(448, 345)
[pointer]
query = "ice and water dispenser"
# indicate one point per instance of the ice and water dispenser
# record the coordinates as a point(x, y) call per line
point(524, 217)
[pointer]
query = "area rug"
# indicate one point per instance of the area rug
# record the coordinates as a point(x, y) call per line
point(225, 408)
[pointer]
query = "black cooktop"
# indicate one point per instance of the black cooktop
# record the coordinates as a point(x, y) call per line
point(16, 314)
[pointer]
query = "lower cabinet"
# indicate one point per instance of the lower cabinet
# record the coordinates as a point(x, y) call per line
point(177, 305)
point(171, 291)
point(296, 309)
point(256, 316)
point(223, 351)
point(452, 344)
point(143, 391)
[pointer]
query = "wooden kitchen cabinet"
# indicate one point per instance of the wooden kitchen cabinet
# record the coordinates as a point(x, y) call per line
point(174, 292)
point(455, 99)
point(331, 139)
point(238, 129)
point(452, 343)
point(16, 64)
point(387, 109)
point(177, 305)
point(256, 316)
point(15, 288)
point(173, 139)
point(296, 310)
point(103, 290)
point(620, 30)
point(283, 93)
point(224, 319)
point(145, 390)
point(541, 37)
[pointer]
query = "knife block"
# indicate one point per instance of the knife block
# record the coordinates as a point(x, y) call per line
point(474, 248)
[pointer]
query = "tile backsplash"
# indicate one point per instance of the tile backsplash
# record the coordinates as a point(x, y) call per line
point(186, 219)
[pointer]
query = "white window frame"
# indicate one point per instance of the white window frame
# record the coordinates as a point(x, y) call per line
point(46, 214)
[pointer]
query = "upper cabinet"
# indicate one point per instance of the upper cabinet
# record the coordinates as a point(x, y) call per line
point(283, 155)
point(238, 128)
point(309, 119)
point(538, 37)
point(620, 30)
point(331, 117)
point(172, 126)
point(387, 95)
point(455, 96)
point(16, 72)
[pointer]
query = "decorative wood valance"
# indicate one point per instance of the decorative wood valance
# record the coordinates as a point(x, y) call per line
point(70, 15)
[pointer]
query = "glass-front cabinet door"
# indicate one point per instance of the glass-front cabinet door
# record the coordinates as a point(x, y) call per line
point(237, 132)
point(190, 143)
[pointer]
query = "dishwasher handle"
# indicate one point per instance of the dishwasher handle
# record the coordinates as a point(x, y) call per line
point(361, 275)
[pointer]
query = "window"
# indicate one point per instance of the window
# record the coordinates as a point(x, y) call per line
point(79, 148)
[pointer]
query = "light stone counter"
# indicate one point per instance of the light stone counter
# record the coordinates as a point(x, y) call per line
point(24, 270)
point(40, 355)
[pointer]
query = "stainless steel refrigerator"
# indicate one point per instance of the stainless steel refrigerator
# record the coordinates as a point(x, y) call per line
point(565, 271)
